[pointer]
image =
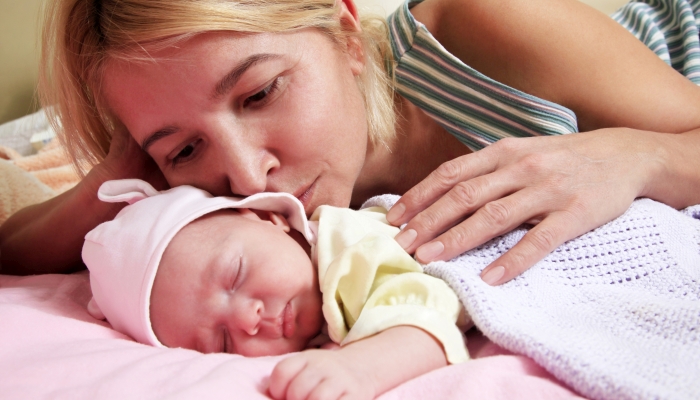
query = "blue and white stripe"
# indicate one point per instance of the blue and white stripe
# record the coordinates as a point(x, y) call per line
point(669, 28)
point(479, 110)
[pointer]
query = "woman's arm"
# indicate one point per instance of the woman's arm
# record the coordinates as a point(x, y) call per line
point(569, 53)
point(360, 370)
point(565, 52)
point(48, 237)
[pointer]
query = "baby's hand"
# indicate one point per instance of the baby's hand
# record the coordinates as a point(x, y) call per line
point(320, 374)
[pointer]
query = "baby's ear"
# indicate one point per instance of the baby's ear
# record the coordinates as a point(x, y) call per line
point(279, 220)
point(94, 310)
point(272, 217)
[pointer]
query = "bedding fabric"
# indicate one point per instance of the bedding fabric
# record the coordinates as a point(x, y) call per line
point(50, 347)
point(614, 313)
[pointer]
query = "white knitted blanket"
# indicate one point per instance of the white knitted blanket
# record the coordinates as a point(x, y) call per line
point(614, 313)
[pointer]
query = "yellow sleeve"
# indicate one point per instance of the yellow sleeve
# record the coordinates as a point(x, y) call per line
point(373, 284)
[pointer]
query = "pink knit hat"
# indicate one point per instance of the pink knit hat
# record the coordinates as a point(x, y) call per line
point(123, 254)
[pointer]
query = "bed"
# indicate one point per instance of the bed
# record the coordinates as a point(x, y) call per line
point(50, 346)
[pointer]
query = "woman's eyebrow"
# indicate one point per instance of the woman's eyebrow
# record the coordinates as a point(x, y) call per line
point(220, 89)
point(159, 134)
point(230, 79)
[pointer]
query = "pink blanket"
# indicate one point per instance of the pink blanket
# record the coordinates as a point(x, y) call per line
point(51, 347)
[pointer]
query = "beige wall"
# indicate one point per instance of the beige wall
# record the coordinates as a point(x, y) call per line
point(606, 6)
point(386, 6)
point(19, 49)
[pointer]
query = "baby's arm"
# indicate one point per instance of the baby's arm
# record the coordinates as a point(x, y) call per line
point(359, 370)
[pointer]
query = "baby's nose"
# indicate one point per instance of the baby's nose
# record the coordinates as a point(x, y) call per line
point(249, 316)
point(252, 330)
point(271, 328)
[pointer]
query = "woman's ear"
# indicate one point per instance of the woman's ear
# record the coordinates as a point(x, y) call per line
point(350, 6)
point(350, 22)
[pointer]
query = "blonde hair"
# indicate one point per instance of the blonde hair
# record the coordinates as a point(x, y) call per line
point(80, 35)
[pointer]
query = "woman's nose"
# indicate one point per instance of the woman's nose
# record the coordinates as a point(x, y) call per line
point(248, 167)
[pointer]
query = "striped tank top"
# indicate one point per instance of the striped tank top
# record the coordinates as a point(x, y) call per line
point(478, 110)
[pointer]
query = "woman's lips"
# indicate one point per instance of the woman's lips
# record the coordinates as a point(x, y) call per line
point(288, 321)
point(306, 195)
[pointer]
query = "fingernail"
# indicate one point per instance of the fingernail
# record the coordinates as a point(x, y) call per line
point(395, 212)
point(494, 275)
point(406, 238)
point(429, 252)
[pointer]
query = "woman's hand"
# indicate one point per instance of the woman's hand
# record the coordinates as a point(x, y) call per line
point(564, 185)
point(59, 225)
point(126, 160)
point(320, 374)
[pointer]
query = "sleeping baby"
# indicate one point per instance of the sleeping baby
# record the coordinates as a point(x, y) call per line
point(253, 276)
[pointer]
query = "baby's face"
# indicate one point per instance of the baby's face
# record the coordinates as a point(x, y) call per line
point(237, 282)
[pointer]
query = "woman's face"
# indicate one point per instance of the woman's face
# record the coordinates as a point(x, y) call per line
point(239, 114)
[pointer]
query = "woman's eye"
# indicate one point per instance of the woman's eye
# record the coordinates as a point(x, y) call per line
point(186, 153)
point(261, 96)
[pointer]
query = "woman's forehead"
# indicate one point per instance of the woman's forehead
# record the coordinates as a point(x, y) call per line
point(191, 66)
point(208, 44)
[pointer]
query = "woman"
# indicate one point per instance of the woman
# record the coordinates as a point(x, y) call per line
point(241, 97)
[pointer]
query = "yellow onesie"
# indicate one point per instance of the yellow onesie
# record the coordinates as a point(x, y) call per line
point(371, 284)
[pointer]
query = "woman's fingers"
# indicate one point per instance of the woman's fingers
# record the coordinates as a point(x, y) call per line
point(126, 159)
point(462, 200)
point(563, 184)
point(541, 240)
point(121, 140)
point(493, 219)
point(439, 182)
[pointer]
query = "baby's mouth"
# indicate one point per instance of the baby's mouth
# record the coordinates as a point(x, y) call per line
point(283, 325)
point(288, 321)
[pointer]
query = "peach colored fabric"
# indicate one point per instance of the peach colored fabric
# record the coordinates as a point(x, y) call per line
point(51, 347)
point(50, 165)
